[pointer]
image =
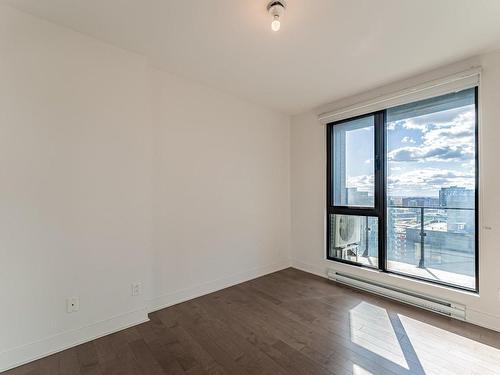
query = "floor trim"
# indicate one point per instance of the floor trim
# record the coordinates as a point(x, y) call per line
point(170, 299)
point(482, 319)
point(42, 348)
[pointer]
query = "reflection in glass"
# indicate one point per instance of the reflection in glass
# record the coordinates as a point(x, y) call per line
point(353, 163)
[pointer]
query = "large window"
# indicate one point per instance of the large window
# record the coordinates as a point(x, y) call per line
point(402, 190)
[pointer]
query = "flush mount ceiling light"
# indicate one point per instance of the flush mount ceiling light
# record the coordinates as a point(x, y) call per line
point(276, 9)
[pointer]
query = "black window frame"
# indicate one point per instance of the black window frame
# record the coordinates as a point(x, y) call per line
point(379, 210)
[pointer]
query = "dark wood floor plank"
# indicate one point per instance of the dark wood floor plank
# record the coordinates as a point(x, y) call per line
point(116, 356)
point(316, 344)
point(68, 362)
point(166, 349)
point(246, 355)
point(288, 322)
point(242, 324)
point(317, 349)
point(209, 342)
point(88, 360)
point(188, 344)
point(266, 337)
point(145, 359)
point(28, 369)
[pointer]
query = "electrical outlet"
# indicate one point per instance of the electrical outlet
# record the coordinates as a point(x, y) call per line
point(136, 289)
point(72, 304)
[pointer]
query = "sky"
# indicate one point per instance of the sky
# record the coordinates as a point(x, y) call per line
point(423, 154)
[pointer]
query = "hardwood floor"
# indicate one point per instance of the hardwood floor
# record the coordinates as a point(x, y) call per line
point(288, 322)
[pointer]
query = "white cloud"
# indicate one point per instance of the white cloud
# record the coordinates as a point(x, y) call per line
point(446, 136)
point(434, 120)
point(362, 182)
point(416, 182)
point(429, 180)
point(431, 153)
point(408, 140)
point(391, 126)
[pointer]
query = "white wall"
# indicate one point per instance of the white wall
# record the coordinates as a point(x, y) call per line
point(221, 190)
point(113, 172)
point(74, 191)
point(308, 186)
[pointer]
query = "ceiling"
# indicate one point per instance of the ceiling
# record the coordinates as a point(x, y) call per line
point(325, 50)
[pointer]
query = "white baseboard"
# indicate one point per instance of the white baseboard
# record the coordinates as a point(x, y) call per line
point(306, 267)
point(476, 317)
point(30, 352)
point(482, 319)
point(170, 299)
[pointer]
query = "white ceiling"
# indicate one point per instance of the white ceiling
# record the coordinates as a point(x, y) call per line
point(326, 49)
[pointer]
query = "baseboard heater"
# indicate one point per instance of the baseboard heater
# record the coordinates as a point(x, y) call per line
point(450, 309)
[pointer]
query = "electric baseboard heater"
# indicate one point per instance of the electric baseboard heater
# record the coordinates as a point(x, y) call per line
point(447, 308)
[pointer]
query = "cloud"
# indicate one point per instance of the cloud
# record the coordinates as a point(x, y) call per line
point(420, 182)
point(393, 125)
point(423, 127)
point(456, 133)
point(431, 153)
point(446, 136)
point(429, 180)
point(362, 182)
point(432, 121)
point(469, 164)
point(408, 140)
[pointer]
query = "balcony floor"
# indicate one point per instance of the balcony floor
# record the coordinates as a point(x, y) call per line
point(429, 273)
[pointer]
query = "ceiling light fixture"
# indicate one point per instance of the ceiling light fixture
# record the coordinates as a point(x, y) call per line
point(276, 9)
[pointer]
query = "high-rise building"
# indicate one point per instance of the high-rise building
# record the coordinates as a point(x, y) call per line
point(359, 198)
point(420, 202)
point(456, 197)
point(459, 202)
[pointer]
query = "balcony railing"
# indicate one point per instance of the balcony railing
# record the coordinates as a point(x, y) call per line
point(451, 230)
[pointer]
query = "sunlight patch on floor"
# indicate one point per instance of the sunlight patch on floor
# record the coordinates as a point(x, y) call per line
point(432, 344)
point(358, 370)
point(371, 328)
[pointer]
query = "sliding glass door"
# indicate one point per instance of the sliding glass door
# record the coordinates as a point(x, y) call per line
point(431, 189)
point(402, 190)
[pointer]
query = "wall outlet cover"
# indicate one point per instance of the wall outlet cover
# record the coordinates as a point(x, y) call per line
point(72, 304)
point(136, 289)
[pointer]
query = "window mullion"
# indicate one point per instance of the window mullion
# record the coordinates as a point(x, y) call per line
point(380, 206)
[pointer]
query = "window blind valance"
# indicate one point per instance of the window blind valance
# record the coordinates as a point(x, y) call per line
point(446, 85)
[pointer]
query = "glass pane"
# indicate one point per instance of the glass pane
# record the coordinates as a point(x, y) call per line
point(353, 164)
point(431, 180)
point(354, 238)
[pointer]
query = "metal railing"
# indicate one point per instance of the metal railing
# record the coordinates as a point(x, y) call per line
point(423, 234)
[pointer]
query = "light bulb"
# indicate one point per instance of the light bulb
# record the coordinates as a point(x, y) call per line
point(275, 25)
point(276, 9)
